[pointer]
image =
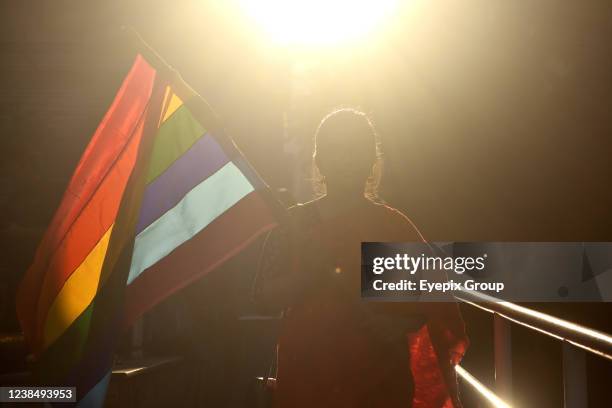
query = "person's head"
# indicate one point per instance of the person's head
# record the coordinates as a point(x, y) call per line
point(347, 154)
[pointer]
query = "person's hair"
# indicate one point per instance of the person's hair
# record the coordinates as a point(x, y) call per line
point(359, 127)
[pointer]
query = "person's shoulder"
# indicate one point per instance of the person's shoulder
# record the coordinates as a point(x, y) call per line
point(294, 218)
point(300, 209)
point(400, 219)
point(388, 211)
point(302, 206)
point(303, 213)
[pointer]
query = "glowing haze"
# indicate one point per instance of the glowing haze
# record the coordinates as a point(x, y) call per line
point(318, 22)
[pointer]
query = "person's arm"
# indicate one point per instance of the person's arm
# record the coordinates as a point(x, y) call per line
point(444, 320)
point(289, 268)
point(274, 278)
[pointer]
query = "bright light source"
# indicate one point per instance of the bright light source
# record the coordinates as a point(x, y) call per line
point(318, 22)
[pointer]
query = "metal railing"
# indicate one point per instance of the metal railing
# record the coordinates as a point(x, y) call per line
point(577, 340)
point(481, 389)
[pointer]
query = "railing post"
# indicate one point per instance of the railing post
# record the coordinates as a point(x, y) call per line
point(503, 357)
point(574, 376)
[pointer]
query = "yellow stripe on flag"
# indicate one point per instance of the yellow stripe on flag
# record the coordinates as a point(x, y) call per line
point(170, 105)
point(77, 293)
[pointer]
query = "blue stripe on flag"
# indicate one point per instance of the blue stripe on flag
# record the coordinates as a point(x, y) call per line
point(196, 210)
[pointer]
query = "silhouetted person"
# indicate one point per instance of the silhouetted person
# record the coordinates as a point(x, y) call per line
point(336, 350)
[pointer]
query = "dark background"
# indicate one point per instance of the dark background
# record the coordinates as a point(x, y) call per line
point(495, 118)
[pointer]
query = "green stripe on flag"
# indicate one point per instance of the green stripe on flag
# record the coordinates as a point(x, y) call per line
point(175, 137)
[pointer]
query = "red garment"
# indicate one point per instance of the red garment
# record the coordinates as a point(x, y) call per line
point(336, 350)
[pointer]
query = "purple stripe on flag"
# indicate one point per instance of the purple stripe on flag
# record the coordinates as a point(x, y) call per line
point(202, 160)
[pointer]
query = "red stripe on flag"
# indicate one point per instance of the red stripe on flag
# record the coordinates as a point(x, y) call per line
point(100, 157)
point(219, 241)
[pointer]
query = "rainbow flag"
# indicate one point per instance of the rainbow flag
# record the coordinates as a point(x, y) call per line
point(157, 201)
